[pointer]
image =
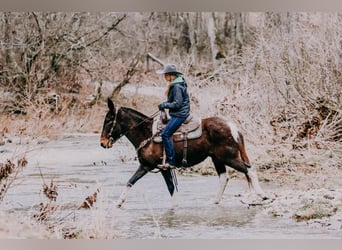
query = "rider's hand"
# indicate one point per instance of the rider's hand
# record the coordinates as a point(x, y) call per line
point(161, 106)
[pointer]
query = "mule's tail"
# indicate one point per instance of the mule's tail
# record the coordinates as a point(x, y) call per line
point(244, 157)
point(242, 150)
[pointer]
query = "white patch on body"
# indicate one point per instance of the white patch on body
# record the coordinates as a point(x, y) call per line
point(234, 130)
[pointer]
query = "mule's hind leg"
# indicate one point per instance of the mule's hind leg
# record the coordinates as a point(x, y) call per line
point(223, 177)
point(250, 173)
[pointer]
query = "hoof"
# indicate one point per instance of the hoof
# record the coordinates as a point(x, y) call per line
point(120, 203)
point(216, 202)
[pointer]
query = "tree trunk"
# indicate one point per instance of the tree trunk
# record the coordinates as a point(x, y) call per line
point(211, 29)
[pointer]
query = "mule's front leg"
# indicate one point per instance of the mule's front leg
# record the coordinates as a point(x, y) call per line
point(141, 171)
point(123, 195)
point(170, 186)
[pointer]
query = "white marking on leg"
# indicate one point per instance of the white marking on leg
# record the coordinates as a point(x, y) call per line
point(223, 183)
point(255, 182)
point(234, 130)
point(174, 200)
point(123, 196)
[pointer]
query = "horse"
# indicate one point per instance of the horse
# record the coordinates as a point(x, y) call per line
point(219, 140)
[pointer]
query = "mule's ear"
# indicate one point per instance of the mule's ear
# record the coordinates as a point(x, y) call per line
point(110, 104)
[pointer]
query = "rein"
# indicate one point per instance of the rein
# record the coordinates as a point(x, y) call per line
point(144, 142)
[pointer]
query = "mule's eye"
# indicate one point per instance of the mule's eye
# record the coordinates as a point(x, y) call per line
point(109, 118)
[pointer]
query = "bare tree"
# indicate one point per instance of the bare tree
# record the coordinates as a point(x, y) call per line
point(48, 50)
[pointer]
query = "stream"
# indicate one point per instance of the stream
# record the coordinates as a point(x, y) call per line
point(79, 166)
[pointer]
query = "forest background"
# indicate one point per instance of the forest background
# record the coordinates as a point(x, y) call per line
point(275, 74)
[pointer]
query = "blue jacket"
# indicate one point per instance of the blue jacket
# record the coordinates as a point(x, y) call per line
point(178, 101)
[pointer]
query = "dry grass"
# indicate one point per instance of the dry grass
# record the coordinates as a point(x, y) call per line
point(8, 173)
point(19, 226)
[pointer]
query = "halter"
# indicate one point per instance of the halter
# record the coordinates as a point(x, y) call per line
point(114, 125)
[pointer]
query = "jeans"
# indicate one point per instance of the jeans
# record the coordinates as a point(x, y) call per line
point(171, 127)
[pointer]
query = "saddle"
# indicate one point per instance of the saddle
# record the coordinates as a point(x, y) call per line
point(190, 129)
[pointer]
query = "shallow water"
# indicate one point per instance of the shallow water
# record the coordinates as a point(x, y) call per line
point(78, 166)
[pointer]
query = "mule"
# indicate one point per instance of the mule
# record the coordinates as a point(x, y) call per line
point(219, 140)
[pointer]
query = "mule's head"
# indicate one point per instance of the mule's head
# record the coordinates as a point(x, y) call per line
point(111, 130)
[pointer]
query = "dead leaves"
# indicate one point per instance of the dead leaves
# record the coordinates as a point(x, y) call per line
point(50, 191)
point(90, 200)
point(6, 169)
point(8, 173)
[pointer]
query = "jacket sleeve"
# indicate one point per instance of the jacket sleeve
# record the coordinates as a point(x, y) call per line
point(177, 101)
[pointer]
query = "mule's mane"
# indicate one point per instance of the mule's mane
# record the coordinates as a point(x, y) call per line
point(135, 113)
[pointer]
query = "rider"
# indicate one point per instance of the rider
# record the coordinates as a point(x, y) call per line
point(178, 103)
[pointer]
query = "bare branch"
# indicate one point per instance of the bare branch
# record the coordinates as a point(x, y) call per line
point(129, 73)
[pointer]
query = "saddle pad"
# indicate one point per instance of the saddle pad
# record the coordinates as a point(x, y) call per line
point(192, 130)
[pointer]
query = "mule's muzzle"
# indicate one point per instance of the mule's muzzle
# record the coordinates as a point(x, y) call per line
point(106, 143)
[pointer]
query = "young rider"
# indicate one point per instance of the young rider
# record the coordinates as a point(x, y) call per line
point(178, 104)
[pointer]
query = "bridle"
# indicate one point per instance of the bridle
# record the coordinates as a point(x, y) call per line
point(143, 143)
point(111, 139)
